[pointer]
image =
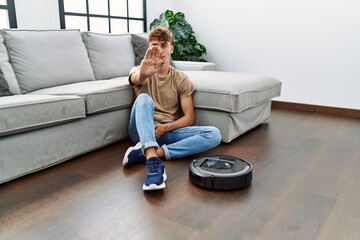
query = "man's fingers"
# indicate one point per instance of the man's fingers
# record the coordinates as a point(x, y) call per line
point(148, 54)
point(152, 58)
point(153, 52)
point(156, 52)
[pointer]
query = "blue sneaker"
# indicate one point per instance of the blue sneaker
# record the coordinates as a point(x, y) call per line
point(134, 155)
point(155, 174)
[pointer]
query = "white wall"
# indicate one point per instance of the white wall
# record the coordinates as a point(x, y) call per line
point(312, 46)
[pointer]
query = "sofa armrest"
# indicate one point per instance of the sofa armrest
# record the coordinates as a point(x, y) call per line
point(199, 66)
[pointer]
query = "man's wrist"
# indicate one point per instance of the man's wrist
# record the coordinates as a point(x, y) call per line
point(140, 78)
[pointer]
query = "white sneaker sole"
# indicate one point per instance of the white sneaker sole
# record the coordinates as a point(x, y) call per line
point(154, 187)
point(126, 159)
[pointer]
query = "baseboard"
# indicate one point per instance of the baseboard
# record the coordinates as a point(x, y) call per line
point(315, 108)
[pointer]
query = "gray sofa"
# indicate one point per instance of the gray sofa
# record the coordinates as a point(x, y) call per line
point(71, 96)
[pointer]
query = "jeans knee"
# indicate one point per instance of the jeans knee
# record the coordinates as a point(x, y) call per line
point(144, 100)
point(216, 135)
point(213, 135)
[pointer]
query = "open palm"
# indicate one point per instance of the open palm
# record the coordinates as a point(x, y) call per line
point(151, 63)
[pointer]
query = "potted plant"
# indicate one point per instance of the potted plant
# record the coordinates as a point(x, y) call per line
point(186, 47)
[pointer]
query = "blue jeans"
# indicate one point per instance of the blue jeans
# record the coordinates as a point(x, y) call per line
point(177, 143)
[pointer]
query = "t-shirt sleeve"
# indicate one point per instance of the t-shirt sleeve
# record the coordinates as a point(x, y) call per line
point(186, 88)
point(132, 70)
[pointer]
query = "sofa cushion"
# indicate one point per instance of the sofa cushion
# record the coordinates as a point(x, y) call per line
point(111, 55)
point(195, 66)
point(43, 59)
point(100, 95)
point(19, 113)
point(231, 92)
point(4, 87)
point(140, 46)
point(7, 68)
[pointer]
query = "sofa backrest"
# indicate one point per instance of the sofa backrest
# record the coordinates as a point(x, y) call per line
point(47, 58)
point(37, 59)
point(111, 55)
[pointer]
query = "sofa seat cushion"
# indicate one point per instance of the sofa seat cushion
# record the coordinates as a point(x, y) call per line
point(100, 95)
point(19, 113)
point(47, 58)
point(111, 55)
point(230, 91)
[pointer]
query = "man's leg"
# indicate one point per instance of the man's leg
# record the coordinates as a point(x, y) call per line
point(189, 140)
point(141, 125)
point(141, 130)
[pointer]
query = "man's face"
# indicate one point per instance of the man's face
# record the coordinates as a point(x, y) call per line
point(166, 49)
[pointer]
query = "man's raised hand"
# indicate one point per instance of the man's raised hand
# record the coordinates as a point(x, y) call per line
point(151, 62)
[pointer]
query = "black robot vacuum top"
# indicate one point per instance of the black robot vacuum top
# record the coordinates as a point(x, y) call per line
point(220, 172)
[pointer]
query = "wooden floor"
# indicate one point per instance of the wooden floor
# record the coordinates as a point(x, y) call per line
point(306, 185)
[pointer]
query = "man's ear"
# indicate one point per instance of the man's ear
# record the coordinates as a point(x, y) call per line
point(172, 49)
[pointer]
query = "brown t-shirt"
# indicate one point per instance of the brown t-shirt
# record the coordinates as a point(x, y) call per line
point(166, 93)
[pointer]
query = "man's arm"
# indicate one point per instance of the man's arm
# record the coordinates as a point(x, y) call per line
point(187, 119)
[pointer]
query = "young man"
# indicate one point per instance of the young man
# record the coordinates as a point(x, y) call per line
point(163, 113)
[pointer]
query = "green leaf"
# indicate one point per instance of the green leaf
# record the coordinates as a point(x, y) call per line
point(186, 47)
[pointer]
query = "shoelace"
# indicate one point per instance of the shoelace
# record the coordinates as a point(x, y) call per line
point(154, 167)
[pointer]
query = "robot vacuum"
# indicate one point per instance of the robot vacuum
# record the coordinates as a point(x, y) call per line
point(220, 172)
